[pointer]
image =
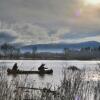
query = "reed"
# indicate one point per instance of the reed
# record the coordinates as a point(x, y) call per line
point(73, 87)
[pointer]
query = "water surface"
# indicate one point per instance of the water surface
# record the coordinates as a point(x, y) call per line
point(58, 68)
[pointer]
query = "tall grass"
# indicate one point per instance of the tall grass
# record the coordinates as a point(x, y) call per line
point(73, 87)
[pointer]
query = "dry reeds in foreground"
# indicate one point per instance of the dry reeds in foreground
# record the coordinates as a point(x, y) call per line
point(73, 87)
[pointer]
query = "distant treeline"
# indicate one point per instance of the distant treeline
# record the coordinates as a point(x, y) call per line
point(8, 51)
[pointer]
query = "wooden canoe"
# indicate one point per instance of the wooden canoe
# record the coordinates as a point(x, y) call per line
point(10, 71)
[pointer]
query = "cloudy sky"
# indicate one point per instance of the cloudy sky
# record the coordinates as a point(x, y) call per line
point(49, 21)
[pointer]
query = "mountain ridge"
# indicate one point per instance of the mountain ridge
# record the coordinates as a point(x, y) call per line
point(62, 45)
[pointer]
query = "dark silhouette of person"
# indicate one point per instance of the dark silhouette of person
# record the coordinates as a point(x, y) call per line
point(15, 67)
point(42, 68)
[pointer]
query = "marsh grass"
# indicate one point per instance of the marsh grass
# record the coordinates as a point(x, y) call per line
point(73, 87)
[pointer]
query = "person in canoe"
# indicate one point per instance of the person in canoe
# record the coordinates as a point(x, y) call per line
point(15, 67)
point(42, 68)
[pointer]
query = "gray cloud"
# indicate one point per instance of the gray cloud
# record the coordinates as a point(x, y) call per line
point(45, 12)
point(6, 37)
point(33, 34)
point(48, 21)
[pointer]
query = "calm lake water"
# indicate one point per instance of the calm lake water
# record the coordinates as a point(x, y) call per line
point(57, 66)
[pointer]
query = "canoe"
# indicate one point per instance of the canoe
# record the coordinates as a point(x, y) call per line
point(10, 71)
